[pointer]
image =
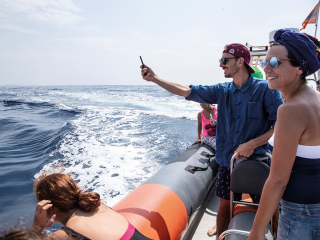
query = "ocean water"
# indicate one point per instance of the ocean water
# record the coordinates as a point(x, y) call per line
point(110, 139)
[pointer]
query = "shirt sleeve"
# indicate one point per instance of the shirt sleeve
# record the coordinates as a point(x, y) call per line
point(204, 94)
point(272, 100)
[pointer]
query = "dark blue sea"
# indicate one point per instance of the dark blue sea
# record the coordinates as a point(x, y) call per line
point(110, 139)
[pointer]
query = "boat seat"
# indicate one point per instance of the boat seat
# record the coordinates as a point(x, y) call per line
point(243, 221)
point(239, 208)
point(244, 208)
point(247, 177)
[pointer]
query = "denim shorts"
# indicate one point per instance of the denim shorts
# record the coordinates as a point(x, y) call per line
point(299, 221)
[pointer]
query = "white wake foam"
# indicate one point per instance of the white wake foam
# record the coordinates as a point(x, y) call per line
point(113, 149)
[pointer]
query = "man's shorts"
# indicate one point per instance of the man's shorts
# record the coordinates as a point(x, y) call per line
point(223, 185)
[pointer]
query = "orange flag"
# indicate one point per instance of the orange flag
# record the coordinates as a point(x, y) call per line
point(312, 17)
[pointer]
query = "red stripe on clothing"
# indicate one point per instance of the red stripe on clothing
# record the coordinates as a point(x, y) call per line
point(129, 233)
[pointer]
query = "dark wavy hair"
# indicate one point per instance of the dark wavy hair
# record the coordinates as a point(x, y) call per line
point(64, 193)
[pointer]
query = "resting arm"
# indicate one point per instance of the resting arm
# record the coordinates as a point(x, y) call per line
point(199, 126)
point(289, 129)
point(246, 149)
point(272, 101)
point(175, 88)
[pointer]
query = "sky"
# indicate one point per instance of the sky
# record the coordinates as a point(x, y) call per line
point(98, 42)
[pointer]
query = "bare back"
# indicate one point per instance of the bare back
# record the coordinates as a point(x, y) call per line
point(103, 224)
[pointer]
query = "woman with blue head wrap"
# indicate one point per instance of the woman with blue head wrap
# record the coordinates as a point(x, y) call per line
point(294, 178)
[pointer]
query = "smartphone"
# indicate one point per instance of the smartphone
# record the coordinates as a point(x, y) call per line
point(143, 65)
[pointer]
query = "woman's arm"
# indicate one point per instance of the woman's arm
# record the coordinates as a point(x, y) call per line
point(289, 129)
point(41, 219)
point(199, 126)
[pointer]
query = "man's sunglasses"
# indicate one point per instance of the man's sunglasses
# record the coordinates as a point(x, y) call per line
point(224, 60)
point(273, 62)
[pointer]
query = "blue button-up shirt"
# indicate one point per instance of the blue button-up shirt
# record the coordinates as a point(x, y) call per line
point(244, 113)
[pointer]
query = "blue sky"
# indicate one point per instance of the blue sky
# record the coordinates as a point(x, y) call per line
point(80, 42)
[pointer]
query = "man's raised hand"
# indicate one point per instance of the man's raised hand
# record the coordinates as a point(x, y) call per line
point(147, 73)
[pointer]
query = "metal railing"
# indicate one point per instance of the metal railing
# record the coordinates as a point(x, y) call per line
point(236, 232)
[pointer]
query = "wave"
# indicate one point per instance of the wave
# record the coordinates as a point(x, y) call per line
point(169, 106)
point(11, 103)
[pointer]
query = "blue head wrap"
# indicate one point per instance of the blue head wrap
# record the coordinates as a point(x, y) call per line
point(302, 47)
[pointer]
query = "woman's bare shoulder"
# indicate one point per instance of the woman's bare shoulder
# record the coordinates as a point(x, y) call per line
point(298, 104)
point(289, 107)
point(292, 112)
point(298, 113)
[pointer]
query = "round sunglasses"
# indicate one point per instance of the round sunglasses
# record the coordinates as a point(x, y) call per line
point(224, 60)
point(273, 62)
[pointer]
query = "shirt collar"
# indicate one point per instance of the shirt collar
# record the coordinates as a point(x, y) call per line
point(243, 88)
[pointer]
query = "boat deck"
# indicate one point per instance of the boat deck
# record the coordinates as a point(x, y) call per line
point(203, 219)
point(208, 219)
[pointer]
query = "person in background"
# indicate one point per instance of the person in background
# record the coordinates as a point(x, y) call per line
point(207, 127)
point(61, 200)
point(247, 110)
point(294, 177)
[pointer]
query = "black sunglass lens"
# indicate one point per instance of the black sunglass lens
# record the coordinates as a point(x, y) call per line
point(224, 60)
